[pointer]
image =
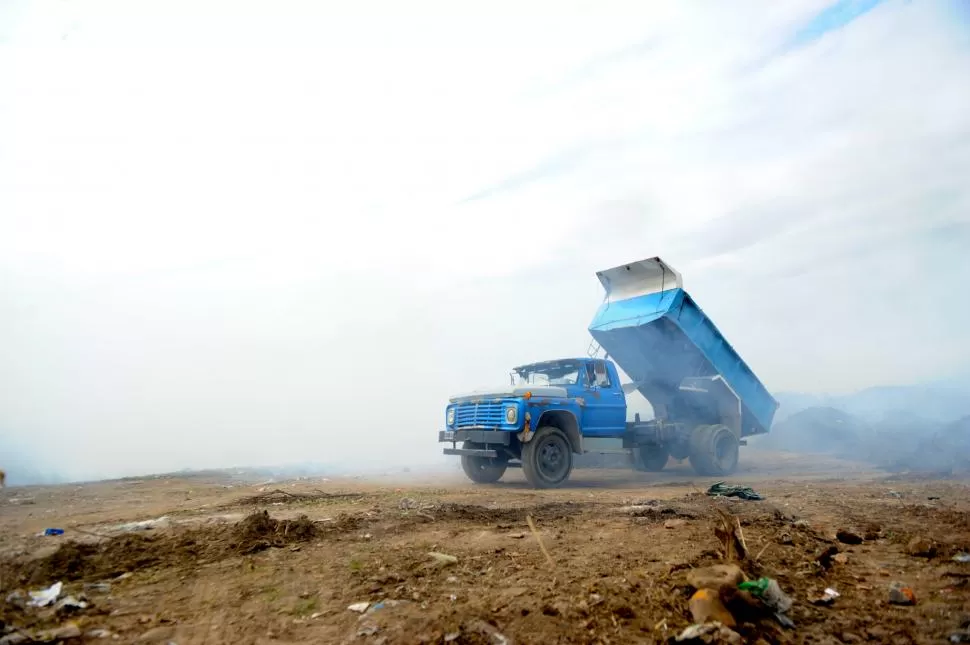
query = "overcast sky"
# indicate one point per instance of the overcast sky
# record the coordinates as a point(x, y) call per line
point(265, 232)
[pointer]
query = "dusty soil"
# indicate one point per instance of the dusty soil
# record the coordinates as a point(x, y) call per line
point(281, 562)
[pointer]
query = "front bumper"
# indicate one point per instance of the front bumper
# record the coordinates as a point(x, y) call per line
point(470, 452)
point(498, 437)
point(484, 438)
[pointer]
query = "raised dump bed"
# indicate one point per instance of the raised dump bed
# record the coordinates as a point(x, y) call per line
point(673, 352)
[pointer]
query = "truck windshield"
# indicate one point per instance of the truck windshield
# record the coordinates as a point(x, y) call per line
point(548, 374)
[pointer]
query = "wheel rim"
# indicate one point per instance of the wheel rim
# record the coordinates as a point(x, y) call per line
point(552, 460)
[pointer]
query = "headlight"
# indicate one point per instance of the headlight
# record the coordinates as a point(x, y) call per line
point(511, 415)
point(450, 417)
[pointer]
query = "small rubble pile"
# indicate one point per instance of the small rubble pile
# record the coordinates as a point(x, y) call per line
point(28, 617)
point(259, 531)
point(726, 604)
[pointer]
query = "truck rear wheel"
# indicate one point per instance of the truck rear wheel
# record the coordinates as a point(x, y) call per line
point(650, 457)
point(548, 458)
point(713, 450)
point(482, 470)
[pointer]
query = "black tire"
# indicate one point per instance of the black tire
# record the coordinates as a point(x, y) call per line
point(482, 470)
point(713, 450)
point(548, 458)
point(650, 457)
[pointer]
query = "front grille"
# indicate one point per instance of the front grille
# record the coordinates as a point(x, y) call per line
point(479, 415)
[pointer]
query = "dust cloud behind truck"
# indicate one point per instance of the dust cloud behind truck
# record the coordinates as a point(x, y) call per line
point(706, 400)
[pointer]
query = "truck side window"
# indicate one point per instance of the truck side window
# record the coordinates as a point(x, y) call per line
point(602, 378)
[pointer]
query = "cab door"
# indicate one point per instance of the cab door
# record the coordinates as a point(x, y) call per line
point(604, 409)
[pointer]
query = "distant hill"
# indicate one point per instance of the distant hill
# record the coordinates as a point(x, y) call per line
point(935, 403)
point(946, 450)
point(899, 441)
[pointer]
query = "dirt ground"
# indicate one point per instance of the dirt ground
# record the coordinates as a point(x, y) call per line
point(233, 561)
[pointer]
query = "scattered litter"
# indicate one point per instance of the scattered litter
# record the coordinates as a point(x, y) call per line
point(495, 637)
point(961, 557)
point(848, 536)
point(674, 524)
point(720, 489)
point(900, 594)
point(772, 596)
point(44, 597)
point(517, 536)
point(962, 636)
point(638, 509)
point(451, 580)
point(359, 607)
point(443, 559)
point(706, 606)
point(841, 558)
point(770, 593)
point(98, 633)
point(933, 497)
point(896, 494)
point(144, 525)
point(70, 605)
point(827, 598)
point(709, 633)
point(49, 532)
point(368, 629)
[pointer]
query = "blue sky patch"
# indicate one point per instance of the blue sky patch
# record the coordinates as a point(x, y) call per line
point(833, 17)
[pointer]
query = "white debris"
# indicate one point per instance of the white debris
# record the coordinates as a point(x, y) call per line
point(443, 559)
point(44, 597)
point(144, 525)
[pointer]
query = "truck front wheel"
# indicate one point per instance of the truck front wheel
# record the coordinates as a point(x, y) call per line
point(482, 470)
point(713, 450)
point(548, 458)
point(651, 457)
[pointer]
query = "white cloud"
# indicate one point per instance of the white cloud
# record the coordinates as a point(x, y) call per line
point(226, 229)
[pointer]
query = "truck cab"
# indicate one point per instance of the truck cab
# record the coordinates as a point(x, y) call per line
point(539, 421)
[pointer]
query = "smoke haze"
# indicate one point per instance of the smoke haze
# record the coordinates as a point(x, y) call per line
point(240, 233)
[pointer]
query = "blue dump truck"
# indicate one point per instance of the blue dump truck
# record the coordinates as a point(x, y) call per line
point(705, 399)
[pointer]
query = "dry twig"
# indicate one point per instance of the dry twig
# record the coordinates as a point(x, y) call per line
point(535, 532)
